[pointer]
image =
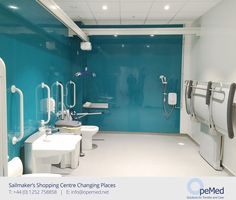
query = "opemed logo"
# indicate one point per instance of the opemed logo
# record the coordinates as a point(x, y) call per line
point(197, 190)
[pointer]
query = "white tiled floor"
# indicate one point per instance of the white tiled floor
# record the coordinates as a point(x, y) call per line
point(141, 155)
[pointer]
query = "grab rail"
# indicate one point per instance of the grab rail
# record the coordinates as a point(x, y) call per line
point(15, 139)
point(230, 111)
point(190, 85)
point(190, 89)
point(62, 98)
point(43, 85)
point(208, 93)
point(186, 98)
point(81, 115)
point(74, 93)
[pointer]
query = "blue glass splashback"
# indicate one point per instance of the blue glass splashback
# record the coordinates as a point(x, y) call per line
point(35, 48)
point(127, 77)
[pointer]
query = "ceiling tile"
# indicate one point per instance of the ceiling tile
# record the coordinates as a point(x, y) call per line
point(74, 6)
point(100, 15)
point(97, 6)
point(135, 6)
point(174, 6)
point(108, 22)
point(132, 22)
point(187, 15)
point(133, 15)
point(197, 6)
point(160, 15)
point(136, 11)
point(81, 15)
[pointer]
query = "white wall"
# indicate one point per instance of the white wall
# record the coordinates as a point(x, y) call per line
point(212, 56)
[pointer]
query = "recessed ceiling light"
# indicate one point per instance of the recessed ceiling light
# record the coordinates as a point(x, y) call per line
point(181, 144)
point(167, 7)
point(152, 35)
point(104, 7)
point(13, 7)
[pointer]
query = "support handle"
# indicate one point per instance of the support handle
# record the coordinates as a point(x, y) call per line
point(15, 139)
point(230, 111)
point(208, 93)
point(74, 93)
point(43, 85)
point(190, 89)
point(62, 98)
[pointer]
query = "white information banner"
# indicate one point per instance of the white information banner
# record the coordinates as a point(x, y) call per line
point(117, 188)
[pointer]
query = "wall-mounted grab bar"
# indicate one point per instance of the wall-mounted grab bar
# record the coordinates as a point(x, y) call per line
point(43, 85)
point(81, 115)
point(15, 139)
point(74, 93)
point(191, 85)
point(230, 111)
point(190, 89)
point(62, 98)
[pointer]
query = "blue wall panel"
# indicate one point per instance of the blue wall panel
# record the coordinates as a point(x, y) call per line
point(35, 48)
point(128, 70)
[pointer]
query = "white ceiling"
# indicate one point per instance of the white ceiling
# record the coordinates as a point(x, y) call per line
point(136, 11)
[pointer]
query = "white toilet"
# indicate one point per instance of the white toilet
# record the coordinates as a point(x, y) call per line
point(87, 136)
point(15, 169)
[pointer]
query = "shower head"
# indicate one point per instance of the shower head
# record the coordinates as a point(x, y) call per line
point(163, 79)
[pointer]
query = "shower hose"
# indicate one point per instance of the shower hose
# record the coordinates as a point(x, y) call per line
point(167, 113)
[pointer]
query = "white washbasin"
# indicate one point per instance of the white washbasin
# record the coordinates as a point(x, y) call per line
point(55, 145)
point(42, 151)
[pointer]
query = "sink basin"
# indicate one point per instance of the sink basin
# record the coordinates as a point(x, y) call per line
point(56, 144)
point(42, 151)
